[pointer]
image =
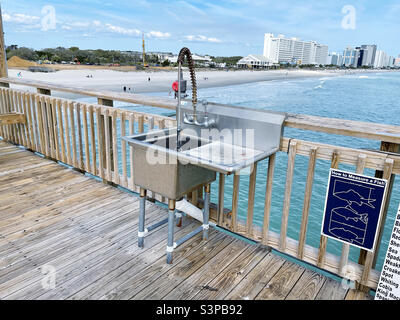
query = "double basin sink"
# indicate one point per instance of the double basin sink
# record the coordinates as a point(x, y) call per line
point(240, 138)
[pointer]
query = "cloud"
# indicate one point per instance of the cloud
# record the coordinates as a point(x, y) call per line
point(192, 8)
point(77, 24)
point(158, 34)
point(200, 38)
point(122, 30)
point(20, 18)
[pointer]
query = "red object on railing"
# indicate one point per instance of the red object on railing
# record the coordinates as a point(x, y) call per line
point(175, 86)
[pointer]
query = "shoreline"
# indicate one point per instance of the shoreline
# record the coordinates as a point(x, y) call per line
point(161, 81)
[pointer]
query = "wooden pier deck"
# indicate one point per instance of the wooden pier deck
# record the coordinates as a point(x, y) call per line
point(55, 218)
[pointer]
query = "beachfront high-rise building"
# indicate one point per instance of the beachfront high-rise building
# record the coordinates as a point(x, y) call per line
point(284, 50)
point(392, 61)
point(397, 62)
point(335, 59)
point(321, 54)
point(368, 55)
point(383, 60)
point(351, 57)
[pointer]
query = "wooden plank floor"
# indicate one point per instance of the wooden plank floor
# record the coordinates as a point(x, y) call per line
point(53, 218)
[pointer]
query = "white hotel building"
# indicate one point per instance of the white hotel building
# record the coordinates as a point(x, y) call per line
point(280, 49)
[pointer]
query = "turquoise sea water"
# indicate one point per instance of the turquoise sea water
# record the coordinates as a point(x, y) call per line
point(372, 97)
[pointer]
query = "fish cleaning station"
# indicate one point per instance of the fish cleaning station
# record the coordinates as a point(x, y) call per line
point(122, 204)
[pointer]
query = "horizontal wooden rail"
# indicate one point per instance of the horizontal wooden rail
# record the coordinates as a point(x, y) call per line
point(374, 159)
point(373, 131)
point(12, 118)
point(359, 129)
point(106, 95)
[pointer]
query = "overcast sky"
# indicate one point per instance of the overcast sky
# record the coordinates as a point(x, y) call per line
point(225, 27)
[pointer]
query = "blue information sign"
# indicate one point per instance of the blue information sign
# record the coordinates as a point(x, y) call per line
point(353, 207)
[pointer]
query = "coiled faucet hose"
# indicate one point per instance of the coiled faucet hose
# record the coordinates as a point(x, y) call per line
point(185, 52)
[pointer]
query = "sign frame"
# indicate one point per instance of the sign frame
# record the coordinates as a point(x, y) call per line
point(379, 221)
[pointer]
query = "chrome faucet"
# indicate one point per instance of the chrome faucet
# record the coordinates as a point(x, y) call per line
point(189, 118)
point(192, 118)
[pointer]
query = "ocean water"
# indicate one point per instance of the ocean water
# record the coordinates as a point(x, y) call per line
point(373, 98)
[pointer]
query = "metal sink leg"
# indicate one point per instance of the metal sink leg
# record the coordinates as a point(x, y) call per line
point(206, 211)
point(142, 232)
point(142, 211)
point(171, 223)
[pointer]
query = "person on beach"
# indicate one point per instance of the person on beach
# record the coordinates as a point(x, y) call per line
point(149, 79)
point(124, 89)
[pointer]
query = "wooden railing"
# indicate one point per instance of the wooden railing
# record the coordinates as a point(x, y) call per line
point(87, 137)
point(84, 136)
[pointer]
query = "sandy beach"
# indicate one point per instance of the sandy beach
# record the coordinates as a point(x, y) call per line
point(161, 81)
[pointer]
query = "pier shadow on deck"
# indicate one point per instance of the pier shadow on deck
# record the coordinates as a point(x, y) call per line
point(53, 218)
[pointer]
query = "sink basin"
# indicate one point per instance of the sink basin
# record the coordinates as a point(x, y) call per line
point(240, 138)
point(158, 167)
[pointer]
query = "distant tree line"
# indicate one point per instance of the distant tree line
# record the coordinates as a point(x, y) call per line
point(230, 61)
point(74, 54)
point(98, 57)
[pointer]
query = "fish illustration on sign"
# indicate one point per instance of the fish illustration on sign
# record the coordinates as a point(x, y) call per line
point(351, 196)
point(348, 213)
point(346, 235)
point(353, 207)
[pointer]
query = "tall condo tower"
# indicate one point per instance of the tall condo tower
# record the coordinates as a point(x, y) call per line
point(281, 49)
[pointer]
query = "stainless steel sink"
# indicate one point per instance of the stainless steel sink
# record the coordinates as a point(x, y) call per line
point(211, 138)
point(253, 135)
point(159, 167)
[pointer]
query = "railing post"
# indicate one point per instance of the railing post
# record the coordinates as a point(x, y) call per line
point(268, 198)
point(323, 239)
point(386, 147)
point(107, 103)
point(370, 257)
point(251, 197)
point(221, 194)
point(235, 199)
point(307, 202)
point(48, 117)
point(287, 195)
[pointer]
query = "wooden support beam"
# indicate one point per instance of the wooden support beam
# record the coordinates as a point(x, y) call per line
point(12, 118)
point(235, 199)
point(288, 192)
point(221, 195)
point(307, 202)
point(268, 198)
point(324, 240)
point(107, 135)
point(251, 197)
